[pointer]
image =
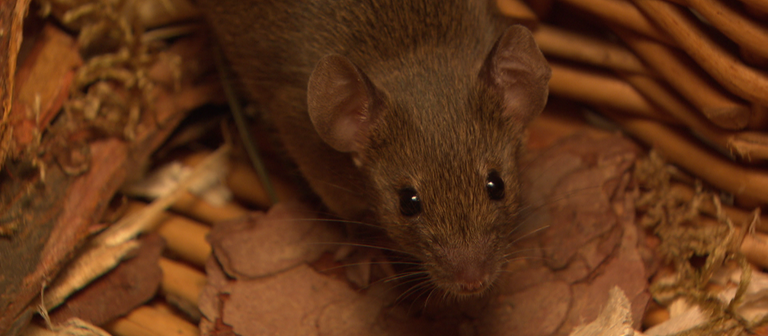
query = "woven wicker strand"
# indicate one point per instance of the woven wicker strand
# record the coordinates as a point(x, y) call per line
point(554, 41)
point(747, 184)
point(745, 145)
point(742, 80)
point(622, 13)
point(738, 26)
point(717, 105)
point(602, 90)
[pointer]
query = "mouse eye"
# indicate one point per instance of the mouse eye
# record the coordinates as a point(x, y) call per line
point(495, 185)
point(410, 203)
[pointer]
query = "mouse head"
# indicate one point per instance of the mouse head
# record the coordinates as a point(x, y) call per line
point(442, 163)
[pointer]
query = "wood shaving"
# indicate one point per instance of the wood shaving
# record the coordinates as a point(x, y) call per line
point(614, 320)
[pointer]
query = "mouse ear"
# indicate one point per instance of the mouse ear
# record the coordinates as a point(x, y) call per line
point(517, 68)
point(340, 101)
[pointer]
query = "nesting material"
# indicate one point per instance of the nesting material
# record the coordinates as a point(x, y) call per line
point(685, 235)
point(614, 320)
point(78, 132)
point(82, 111)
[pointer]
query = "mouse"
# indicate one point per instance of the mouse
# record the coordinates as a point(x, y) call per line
point(410, 115)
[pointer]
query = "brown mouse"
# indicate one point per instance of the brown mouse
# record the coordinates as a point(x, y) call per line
point(409, 114)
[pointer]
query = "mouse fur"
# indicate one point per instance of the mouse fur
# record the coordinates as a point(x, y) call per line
point(376, 99)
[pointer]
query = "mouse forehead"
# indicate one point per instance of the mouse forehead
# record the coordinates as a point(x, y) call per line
point(444, 134)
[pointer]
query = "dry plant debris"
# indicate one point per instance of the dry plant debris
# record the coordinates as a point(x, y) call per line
point(753, 304)
point(60, 169)
point(699, 251)
point(12, 15)
point(108, 248)
point(564, 285)
point(112, 87)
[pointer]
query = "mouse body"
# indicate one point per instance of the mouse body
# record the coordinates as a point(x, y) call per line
point(407, 114)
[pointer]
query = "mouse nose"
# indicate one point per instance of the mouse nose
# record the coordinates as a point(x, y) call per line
point(472, 278)
point(468, 271)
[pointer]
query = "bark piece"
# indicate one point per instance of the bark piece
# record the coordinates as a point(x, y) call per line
point(536, 311)
point(42, 85)
point(116, 293)
point(573, 196)
point(12, 15)
point(265, 244)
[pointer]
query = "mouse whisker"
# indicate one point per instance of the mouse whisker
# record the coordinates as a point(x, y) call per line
point(339, 187)
point(532, 232)
point(526, 213)
point(421, 275)
point(451, 297)
point(431, 291)
point(446, 296)
point(529, 258)
point(420, 279)
point(359, 245)
point(530, 208)
point(410, 291)
point(366, 263)
point(334, 220)
point(519, 251)
point(323, 214)
point(422, 289)
point(492, 287)
point(527, 164)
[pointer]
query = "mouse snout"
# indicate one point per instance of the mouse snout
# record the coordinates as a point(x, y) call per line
point(468, 271)
point(472, 278)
